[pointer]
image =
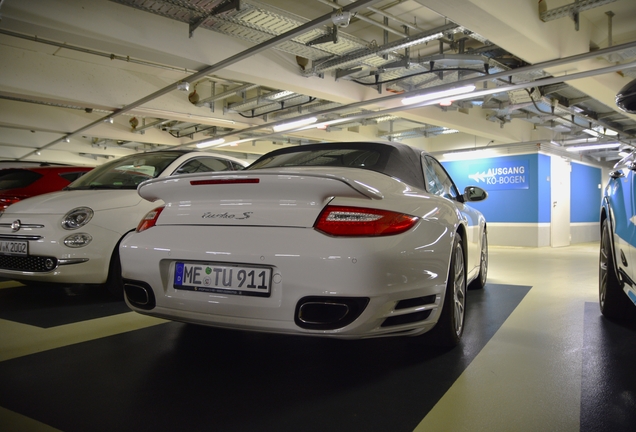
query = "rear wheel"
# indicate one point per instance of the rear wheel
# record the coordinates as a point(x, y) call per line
point(612, 300)
point(450, 326)
point(480, 282)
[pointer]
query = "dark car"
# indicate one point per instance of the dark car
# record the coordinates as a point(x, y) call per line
point(19, 183)
point(617, 275)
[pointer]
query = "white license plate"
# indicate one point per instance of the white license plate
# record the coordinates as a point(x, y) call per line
point(18, 248)
point(221, 278)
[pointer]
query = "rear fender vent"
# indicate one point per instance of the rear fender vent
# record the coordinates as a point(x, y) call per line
point(412, 317)
point(415, 302)
point(407, 318)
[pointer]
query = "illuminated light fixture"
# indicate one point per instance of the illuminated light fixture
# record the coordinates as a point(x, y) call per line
point(592, 132)
point(323, 125)
point(468, 154)
point(604, 131)
point(204, 144)
point(594, 147)
point(623, 153)
point(439, 94)
point(109, 120)
point(553, 142)
point(446, 102)
point(448, 131)
point(66, 139)
point(295, 124)
point(237, 142)
point(167, 114)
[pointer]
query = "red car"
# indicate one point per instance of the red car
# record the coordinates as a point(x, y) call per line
point(20, 183)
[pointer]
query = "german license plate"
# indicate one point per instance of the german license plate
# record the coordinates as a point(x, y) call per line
point(18, 248)
point(221, 278)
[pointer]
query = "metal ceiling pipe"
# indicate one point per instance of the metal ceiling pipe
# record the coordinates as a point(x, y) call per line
point(609, 14)
point(475, 94)
point(311, 25)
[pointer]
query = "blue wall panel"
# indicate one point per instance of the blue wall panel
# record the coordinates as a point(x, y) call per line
point(513, 196)
point(545, 191)
point(585, 195)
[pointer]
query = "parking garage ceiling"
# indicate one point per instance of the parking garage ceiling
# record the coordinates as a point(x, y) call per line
point(86, 81)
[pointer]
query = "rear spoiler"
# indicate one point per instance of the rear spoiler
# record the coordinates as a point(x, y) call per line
point(149, 191)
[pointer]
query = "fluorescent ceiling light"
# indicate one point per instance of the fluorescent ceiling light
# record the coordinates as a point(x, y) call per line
point(237, 142)
point(592, 132)
point(204, 144)
point(439, 94)
point(605, 131)
point(594, 147)
point(295, 124)
point(323, 125)
point(623, 153)
point(164, 114)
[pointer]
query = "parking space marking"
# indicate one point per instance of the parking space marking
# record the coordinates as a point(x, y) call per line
point(18, 340)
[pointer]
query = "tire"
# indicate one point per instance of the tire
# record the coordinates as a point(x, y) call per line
point(449, 328)
point(114, 284)
point(613, 302)
point(480, 282)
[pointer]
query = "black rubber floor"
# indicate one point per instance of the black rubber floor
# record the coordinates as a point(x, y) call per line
point(608, 391)
point(48, 307)
point(177, 377)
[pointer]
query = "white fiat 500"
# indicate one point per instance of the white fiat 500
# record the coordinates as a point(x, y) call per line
point(347, 240)
point(71, 236)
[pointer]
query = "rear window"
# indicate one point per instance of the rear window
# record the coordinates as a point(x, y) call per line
point(205, 164)
point(15, 179)
point(126, 172)
point(337, 157)
point(72, 176)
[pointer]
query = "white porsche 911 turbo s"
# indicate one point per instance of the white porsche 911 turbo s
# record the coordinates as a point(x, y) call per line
point(345, 240)
point(71, 236)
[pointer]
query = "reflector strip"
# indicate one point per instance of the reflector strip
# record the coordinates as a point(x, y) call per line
point(224, 181)
point(342, 216)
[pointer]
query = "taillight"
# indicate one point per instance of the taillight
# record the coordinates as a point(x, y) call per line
point(7, 201)
point(150, 219)
point(362, 222)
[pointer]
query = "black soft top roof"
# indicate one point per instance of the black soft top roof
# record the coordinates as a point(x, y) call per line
point(395, 159)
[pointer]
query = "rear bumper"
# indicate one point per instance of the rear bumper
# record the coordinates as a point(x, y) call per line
point(304, 264)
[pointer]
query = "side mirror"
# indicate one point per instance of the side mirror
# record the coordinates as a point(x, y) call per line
point(626, 98)
point(474, 194)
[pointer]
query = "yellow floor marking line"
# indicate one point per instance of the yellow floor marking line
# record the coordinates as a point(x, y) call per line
point(18, 339)
point(14, 422)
